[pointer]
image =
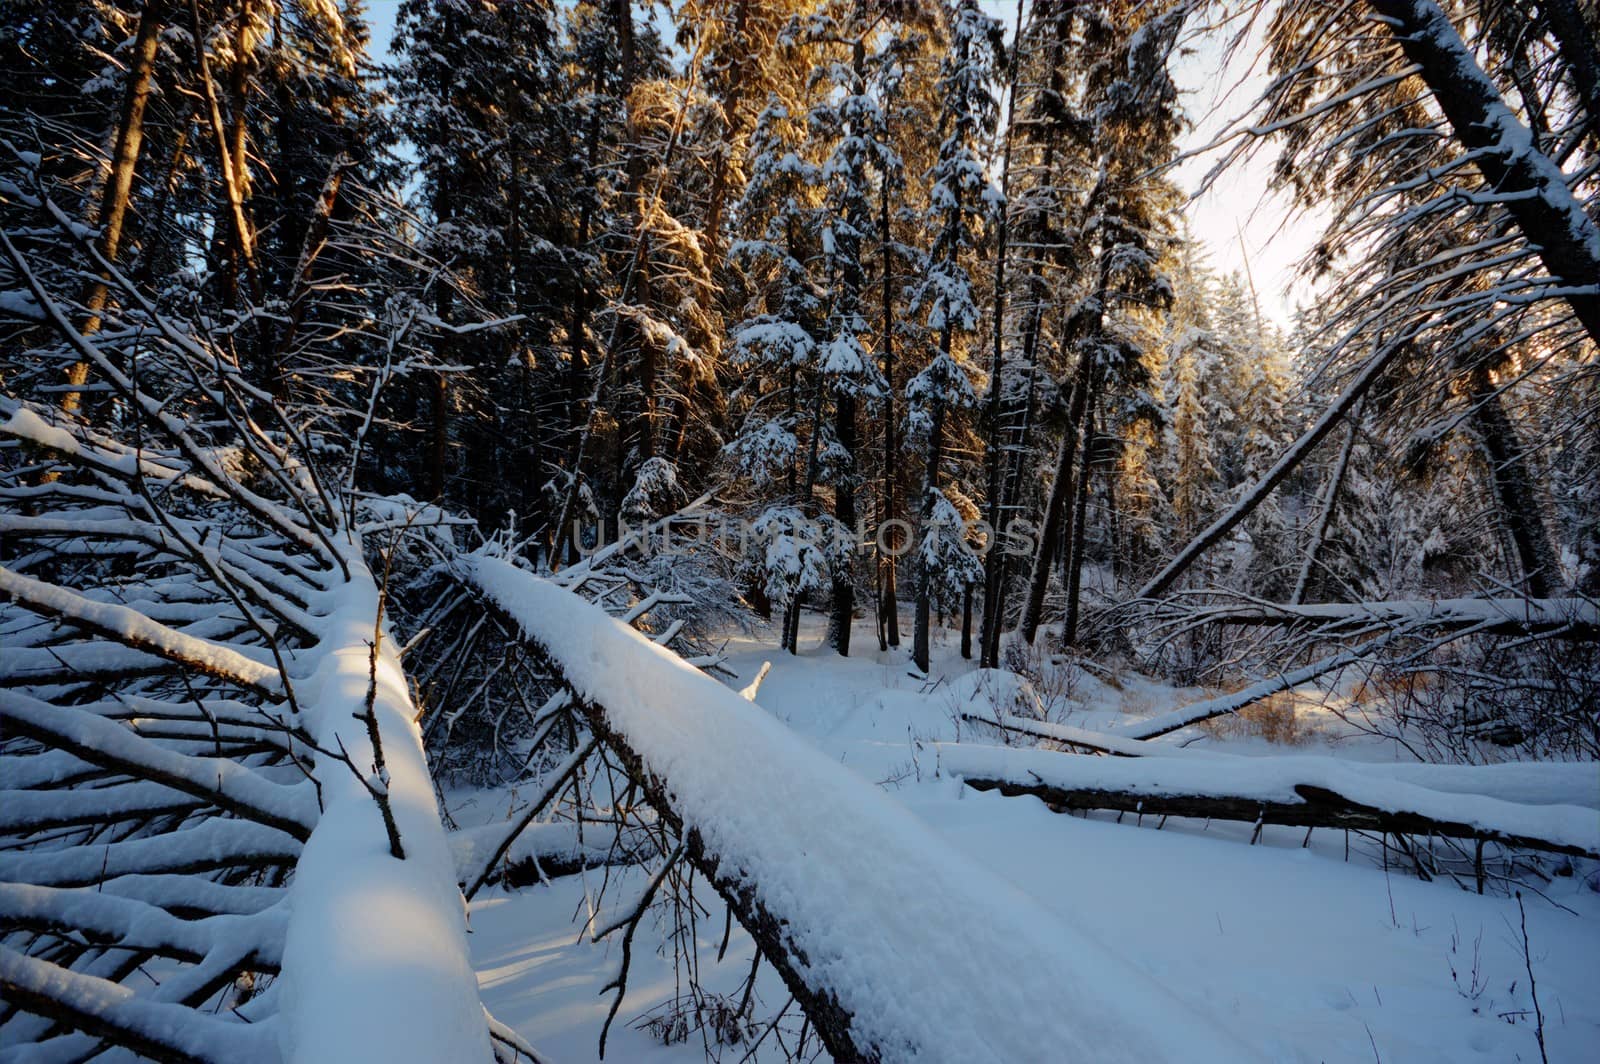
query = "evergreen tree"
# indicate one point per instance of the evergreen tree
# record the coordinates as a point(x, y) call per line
point(960, 195)
point(1121, 92)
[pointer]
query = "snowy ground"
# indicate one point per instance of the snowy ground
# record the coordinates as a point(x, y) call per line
point(1300, 954)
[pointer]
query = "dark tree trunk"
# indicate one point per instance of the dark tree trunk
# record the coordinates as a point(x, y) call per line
point(1329, 503)
point(921, 638)
point(439, 443)
point(889, 606)
point(993, 444)
point(1056, 505)
point(1513, 485)
point(1580, 51)
point(844, 508)
point(117, 193)
point(1079, 536)
point(966, 623)
point(717, 198)
point(1017, 459)
point(240, 234)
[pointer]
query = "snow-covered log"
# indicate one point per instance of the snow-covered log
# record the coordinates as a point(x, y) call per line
point(1527, 782)
point(1296, 791)
point(897, 947)
point(1077, 738)
point(1569, 618)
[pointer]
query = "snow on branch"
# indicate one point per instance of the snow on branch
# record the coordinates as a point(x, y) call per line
point(132, 629)
point(158, 1030)
point(222, 782)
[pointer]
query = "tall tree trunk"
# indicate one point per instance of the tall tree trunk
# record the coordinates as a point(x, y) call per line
point(807, 498)
point(1531, 187)
point(118, 190)
point(1074, 444)
point(1050, 532)
point(889, 605)
point(158, 249)
point(1080, 531)
point(578, 364)
point(992, 443)
point(438, 460)
point(1513, 486)
point(639, 272)
point(966, 622)
point(844, 509)
point(314, 239)
point(717, 198)
point(1015, 461)
point(921, 635)
point(234, 183)
point(1328, 504)
point(1578, 48)
point(439, 437)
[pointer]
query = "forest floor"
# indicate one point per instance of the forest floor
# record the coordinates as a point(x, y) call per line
point(1300, 951)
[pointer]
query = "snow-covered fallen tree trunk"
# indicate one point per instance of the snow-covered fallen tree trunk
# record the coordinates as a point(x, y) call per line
point(1574, 783)
point(375, 958)
point(1296, 791)
point(1081, 739)
point(1569, 618)
point(896, 947)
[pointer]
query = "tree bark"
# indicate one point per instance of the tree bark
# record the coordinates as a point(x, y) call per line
point(1513, 486)
point(1079, 537)
point(117, 194)
point(921, 638)
point(1579, 50)
point(889, 607)
point(992, 429)
point(1319, 807)
point(1018, 441)
point(1055, 505)
point(966, 622)
point(1330, 503)
point(234, 183)
point(844, 508)
point(741, 75)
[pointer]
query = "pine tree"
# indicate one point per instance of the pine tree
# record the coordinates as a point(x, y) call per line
point(783, 440)
point(960, 194)
point(1120, 230)
point(854, 125)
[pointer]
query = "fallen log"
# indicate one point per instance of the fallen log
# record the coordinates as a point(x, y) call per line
point(1521, 782)
point(1292, 791)
point(896, 947)
point(1081, 738)
point(1569, 618)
